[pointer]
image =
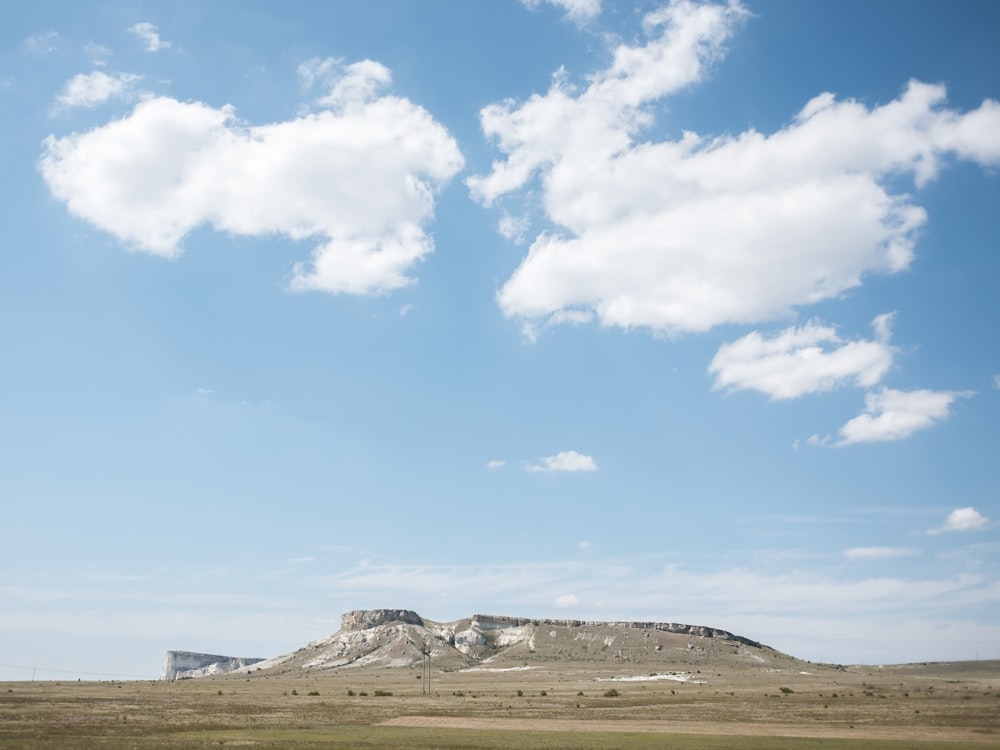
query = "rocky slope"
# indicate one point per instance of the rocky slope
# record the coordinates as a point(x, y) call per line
point(182, 665)
point(395, 638)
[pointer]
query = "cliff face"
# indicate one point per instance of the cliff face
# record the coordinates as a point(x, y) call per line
point(363, 619)
point(496, 622)
point(180, 665)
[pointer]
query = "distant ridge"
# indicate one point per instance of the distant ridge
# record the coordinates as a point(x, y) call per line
point(400, 638)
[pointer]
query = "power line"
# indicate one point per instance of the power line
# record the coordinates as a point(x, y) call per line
point(76, 671)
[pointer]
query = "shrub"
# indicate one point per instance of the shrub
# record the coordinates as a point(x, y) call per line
point(786, 690)
point(350, 692)
point(313, 692)
point(382, 693)
point(295, 692)
point(612, 693)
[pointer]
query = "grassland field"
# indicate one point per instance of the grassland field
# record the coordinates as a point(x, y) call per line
point(915, 706)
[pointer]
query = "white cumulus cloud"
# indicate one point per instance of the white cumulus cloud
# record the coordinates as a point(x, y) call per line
point(91, 89)
point(495, 464)
point(148, 34)
point(894, 415)
point(567, 600)
point(564, 461)
point(962, 519)
point(360, 181)
point(683, 235)
point(801, 360)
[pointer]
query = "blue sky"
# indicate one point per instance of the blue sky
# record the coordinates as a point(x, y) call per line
point(680, 312)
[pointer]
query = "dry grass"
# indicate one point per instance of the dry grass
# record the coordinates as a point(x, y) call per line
point(946, 706)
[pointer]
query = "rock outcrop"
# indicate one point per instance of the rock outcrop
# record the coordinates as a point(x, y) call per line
point(182, 665)
point(393, 638)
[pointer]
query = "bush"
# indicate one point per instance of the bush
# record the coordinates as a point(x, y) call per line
point(313, 692)
point(612, 693)
point(382, 693)
point(786, 690)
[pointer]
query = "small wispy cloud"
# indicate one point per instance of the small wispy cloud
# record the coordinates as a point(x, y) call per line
point(318, 71)
point(346, 84)
point(90, 89)
point(578, 11)
point(98, 53)
point(962, 519)
point(495, 464)
point(564, 461)
point(567, 600)
point(148, 34)
point(41, 44)
point(513, 228)
point(879, 553)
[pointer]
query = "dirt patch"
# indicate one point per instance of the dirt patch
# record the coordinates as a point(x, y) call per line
point(757, 729)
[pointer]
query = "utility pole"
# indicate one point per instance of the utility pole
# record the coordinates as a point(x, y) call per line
point(426, 675)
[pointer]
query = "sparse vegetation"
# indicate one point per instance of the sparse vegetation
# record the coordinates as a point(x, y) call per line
point(959, 713)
